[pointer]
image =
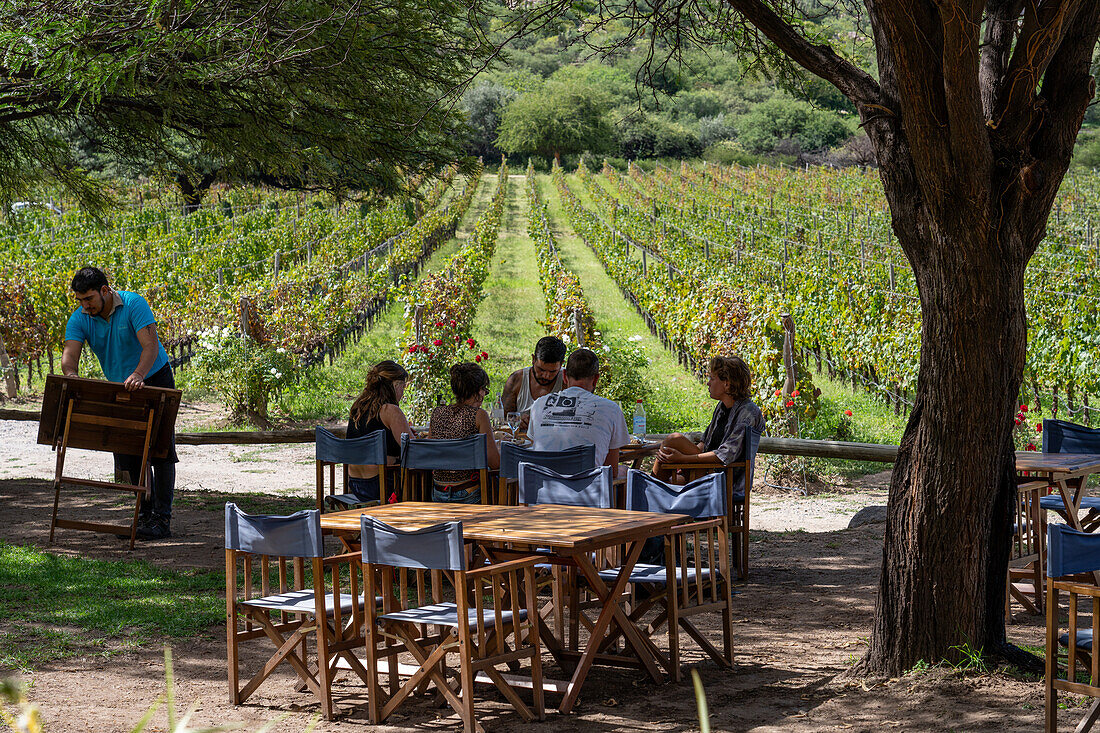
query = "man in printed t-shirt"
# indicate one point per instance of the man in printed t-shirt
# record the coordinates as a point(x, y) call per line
point(576, 416)
point(121, 330)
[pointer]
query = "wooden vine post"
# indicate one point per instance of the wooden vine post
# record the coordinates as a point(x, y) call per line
point(578, 326)
point(790, 384)
point(9, 373)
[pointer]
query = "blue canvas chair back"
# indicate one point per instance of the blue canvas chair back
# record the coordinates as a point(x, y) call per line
point(703, 498)
point(567, 462)
point(1070, 552)
point(296, 535)
point(1060, 436)
point(538, 485)
point(433, 455)
point(438, 547)
point(366, 450)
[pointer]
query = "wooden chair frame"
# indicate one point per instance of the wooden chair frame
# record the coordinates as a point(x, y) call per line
point(1027, 562)
point(329, 487)
point(480, 647)
point(738, 512)
point(337, 636)
point(1077, 591)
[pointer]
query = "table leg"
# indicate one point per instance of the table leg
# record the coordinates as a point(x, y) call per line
point(611, 610)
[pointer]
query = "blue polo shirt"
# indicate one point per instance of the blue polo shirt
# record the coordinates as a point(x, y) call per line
point(115, 340)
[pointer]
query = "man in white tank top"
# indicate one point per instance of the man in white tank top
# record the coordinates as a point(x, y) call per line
point(543, 377)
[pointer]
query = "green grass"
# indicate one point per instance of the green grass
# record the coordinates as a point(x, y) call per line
point(251, 502)
point(508, 320)
point(57, 607)
point(678, 400)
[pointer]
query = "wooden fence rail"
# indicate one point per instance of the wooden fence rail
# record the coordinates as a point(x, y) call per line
point(776, 446)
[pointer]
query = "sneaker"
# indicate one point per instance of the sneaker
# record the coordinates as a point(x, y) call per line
point(157, 529)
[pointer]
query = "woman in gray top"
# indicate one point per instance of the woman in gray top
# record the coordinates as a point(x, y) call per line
point(730, 383)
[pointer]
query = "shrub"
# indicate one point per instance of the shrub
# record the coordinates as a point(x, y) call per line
point(247, 374)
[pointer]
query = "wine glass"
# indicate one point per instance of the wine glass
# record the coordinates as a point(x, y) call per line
point(513, 422)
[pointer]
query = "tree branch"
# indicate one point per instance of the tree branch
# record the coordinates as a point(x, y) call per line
point(1000, 30)
point(820, 60)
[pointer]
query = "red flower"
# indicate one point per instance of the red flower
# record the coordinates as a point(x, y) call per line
point(471, 343)
point(795, 393)
point(457, 338)
point(1019, 421)
point(1019, 417)
point(478, 358)
point(484, 356)
point(1038, 427)
point(790, 403)
point(778, 392)
point(453, 324)
point(848, 413)
point(1023, 408)
point(437, 342)
point(439, 324)
point(1031, 446)
point(413, 349)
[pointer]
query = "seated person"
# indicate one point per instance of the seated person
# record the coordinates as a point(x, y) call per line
point(576, 416)
point(543, 377)
point(463, 419)
point(730, 383)
point(376, 408)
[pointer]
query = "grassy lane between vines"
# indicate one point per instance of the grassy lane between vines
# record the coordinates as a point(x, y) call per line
point(326, 392)
point(678, 401)
point(507, 323)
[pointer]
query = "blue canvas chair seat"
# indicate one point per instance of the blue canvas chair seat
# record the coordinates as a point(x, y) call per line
point(302, 601)
point(1070, 554)
point(284, 615)
point(1084, 639)
point(422, 456)
point(471, 627)
point(701, 583)
point(331, 451)
point(1053, 503)
point(567, 462)
point(446, 614)
point(654, 574)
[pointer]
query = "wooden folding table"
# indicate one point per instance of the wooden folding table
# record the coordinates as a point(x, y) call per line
point(102, 416)
point(571, 535)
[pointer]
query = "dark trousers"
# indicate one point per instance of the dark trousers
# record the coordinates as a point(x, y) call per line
point(164, 469)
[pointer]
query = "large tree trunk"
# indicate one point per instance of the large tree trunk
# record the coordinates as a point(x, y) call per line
point(194, 192)
point(948, 529)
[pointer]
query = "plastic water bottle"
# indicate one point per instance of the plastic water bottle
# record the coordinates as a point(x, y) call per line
point(639, 420)
point(497, 414)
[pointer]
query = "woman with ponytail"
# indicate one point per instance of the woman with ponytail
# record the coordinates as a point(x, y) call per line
point(376, 408)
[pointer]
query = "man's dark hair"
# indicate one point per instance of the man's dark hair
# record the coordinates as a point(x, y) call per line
point(583, 364)
point(550, 350)
point(467, 379)
point(88, 278)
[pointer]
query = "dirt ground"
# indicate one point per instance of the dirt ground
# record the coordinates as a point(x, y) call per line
point(802, 619)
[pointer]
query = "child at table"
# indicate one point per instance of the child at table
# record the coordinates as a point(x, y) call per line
point(463, 419)
point(729, 382)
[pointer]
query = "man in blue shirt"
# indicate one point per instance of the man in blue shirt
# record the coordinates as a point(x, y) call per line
point(121, 330)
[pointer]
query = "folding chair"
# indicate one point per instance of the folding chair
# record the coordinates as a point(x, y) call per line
point(267, 562)
point(366, 450)
point(569, 461)
point(696, 558)
point(538, 485)
point(592, 488)
point(422, 456)
point(1060, 436)
point(739, 476)
point(1069, 554)
point(470, 626)
point(1027, 557)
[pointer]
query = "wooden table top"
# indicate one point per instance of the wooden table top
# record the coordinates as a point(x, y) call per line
point(547, 525)
point(1057, 463)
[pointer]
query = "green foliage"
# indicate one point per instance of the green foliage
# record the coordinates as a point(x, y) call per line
point(246, 374)
point(1087, 151)
point(653, 137)
point(314, 96)
point(769, 124)
point(561, 117)
point(484, 105)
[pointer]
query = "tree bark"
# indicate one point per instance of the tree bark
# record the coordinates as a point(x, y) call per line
point(192, 192)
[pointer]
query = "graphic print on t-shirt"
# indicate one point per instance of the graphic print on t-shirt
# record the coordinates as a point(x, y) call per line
point(565, 410)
